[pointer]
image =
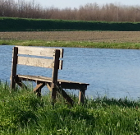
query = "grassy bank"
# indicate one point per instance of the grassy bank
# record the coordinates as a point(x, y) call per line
point(82, 44)
point(21, 24)
point(21, 112)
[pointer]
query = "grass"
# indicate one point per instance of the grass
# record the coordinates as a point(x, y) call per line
point(81, 44)
point(21, 112)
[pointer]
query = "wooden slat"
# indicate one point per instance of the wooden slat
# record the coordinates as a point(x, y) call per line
point(38, 62)
point(63, 83)
point(39, 51)
point(35, 78)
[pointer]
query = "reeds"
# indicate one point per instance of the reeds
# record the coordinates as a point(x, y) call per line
point(88, 12)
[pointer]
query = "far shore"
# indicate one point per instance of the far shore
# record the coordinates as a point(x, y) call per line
point(80, 44)
point(84, 39)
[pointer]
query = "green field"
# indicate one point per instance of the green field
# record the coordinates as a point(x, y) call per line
point(21, 24)
point(72, 44)
point(22, 113)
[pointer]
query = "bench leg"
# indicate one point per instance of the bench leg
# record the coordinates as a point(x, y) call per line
point(62, 93)
point(21, 84)
point(65, 96)
point(38, 88)
point(53, 95)
point(13, 83)
point(81, 96)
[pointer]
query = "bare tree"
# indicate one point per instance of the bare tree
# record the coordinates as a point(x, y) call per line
point(88, 12)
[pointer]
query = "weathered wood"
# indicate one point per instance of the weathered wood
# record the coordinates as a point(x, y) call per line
point(55, 74)
point(65, 96)
point(38, 62)
point(14, 67)
point(35, 78)
point(81, 96)
point(63, 83)
point(38, 88)
point(60, 64)
point(39, 51)
point(56, 66)
point(72, 85)
point(49, 87)
point(63, 93)
point(54, 84)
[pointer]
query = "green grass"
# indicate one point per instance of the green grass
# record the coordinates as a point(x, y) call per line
point(82, 44)
point(23, 24)
point(22, 113)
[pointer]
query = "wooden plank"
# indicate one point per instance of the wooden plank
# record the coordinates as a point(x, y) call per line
point(39, 51)
point(14, 67)
point(63, 83)
point(73, 85)
point(39, 86)
point(60, 64)
point(38, 62)
point(35, 78)
point(49, 87)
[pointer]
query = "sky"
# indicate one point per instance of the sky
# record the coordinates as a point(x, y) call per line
point(76, 3)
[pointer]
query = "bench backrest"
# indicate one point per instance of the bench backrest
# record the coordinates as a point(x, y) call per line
point(39, 57)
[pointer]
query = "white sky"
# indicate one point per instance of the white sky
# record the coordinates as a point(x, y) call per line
point(77, 3)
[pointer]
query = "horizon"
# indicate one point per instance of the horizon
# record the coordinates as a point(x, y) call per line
point(72, 4)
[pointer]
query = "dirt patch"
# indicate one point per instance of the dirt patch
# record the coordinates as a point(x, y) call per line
point(94, 36)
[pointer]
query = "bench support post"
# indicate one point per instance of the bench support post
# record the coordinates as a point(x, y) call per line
point(53, 95)
point(20, 83)
point(81, 96)
point(55, 74)
point(14, 68)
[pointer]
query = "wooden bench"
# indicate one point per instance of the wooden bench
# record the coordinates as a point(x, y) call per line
point(34, 56)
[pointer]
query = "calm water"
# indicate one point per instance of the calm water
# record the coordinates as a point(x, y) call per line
point(110, 72)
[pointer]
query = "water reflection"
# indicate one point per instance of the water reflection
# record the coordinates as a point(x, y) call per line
point(111, 72)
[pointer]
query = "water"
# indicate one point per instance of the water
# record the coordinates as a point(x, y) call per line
point(110, 72)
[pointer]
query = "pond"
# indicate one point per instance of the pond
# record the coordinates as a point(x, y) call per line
point(114, 73)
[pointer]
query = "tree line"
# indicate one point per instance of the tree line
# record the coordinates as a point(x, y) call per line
point(89, 12)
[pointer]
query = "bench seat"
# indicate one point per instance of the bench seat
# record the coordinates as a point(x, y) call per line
point(62, 83)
